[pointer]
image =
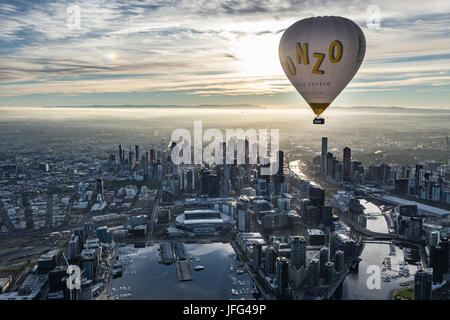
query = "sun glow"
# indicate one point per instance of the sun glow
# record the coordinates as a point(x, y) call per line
point(258, 55)
point(111, 56)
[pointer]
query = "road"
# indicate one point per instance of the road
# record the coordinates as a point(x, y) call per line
point(5, 217)
point(105, 294)
point(154, 215)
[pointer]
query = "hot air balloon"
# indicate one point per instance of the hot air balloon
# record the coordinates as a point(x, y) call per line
point(320, 56)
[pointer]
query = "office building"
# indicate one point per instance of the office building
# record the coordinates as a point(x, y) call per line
point(257, 255)
point(328, 270)
point(298, 251)
point(317, 196)
point(103, 234)
point(313, 273)
point(282, 276)
point(85, 292)
point(437, 263)
point(418, 177)
point(324, 156)
point(316, 237)
point(423, 284)
point(284, 204)
point(89, 229)
point(326, 215)
point(120, 155)
point(100, 190)
point(74, 248)
point(408, 210)
point(445, 254)
point(88, 263)
point(347, 160)
point(323, 259)
point(339, 260)
point(55, 279)
point(243, 221)
point(343, 242)
point(136, 152)
point(270, 259)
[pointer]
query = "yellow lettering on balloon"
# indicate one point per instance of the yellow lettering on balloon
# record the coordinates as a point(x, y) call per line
point(290, 66)
point(320, 57)
point(302, 54)
point(331, 52)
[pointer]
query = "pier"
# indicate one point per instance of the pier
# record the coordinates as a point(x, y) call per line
point(184, 271)
point(179, 250)
point(166, 253)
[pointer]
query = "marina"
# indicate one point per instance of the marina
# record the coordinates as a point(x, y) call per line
point(145, 278)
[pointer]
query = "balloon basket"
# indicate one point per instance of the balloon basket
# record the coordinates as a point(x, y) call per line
point(319, 120)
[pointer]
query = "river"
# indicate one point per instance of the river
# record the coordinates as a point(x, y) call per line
point(355, 285)
point(295, 167)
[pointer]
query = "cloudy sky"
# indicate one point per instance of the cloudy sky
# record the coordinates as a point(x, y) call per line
point(192, 52)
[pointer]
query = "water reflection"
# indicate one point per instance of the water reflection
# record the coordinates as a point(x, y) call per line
point(145, 278)
point(397, 264)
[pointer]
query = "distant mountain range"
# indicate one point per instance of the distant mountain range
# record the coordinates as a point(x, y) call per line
point(254, 106)
point(204, 106)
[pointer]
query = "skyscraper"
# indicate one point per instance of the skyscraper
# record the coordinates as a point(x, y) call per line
point(85, 292)
point(257, 255)
point(120, 155)
point(317, 196)
point(339, 260)
point(74, 248)
point(270, 260)
point(445, 254)
point(243, 222)
point(280, 174)
point(282, 275)
point(100, 189)
point(418, 177)
point(329, 165)
point(152, 155)
point(88, 257)
point(437, 261)
point(89, 229)
point(324, 155)
point(136, 149)
point(130, 159)
point(423, 284)
point(313, 273)
point(298, 251)
point(347, 159)
point(328, 272)
point(323, 259)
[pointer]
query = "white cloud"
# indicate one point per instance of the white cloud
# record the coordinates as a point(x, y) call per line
point(204, 46)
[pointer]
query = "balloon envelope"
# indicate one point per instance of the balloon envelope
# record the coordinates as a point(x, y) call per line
point(320, 56)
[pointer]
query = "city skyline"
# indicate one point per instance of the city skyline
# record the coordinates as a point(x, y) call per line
point(164, 150)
